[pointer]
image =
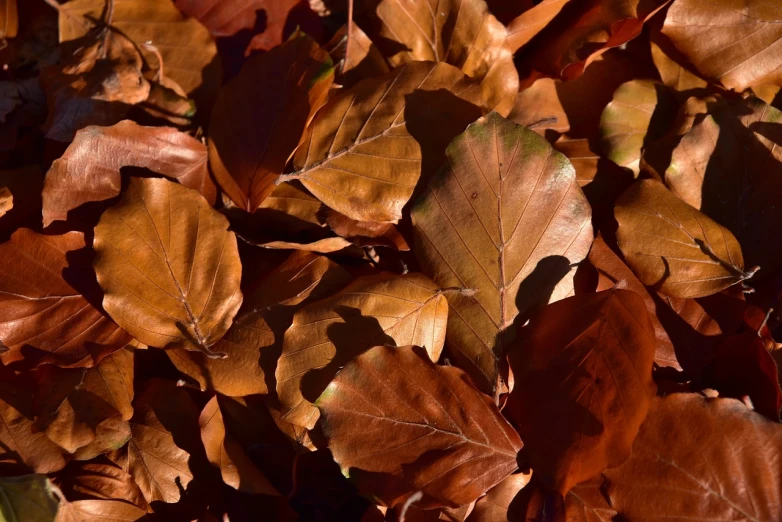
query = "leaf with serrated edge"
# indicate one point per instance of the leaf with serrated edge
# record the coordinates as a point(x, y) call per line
point(424, 424)
point(506, 221)
point(365, 150)
point(169, 267)
point(673, 247)
point(325, 335)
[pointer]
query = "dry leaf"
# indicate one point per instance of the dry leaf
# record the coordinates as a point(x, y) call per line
point(169, 268)
point(582, 391)
point(325, 335)
point(251, 139)
point(31, 498)
point(674, 248)
point(89, 170)
point(425, 425)
point(506, 222)
point(369, 145)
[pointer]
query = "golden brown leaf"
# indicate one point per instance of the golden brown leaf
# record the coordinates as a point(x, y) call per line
point(369, 145)
point(583, 388)
point(529, 23)
point(729, 41)
point(459, 32)
point(496, 505)
point(386, 308)
point(169, 267)
point(421, 424)
point(89, 170)
point(9, 19)
point(251, 138)
point(98, 511)
point(46, 302)
point(506, 222)
point(673, 247)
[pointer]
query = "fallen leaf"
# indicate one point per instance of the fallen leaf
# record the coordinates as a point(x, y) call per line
point(365, 233)
point(727, 41)
point(223, 451)
point(9, 19)
point(227, 18)
point(98, 510)
point(49, 301)
point(728, 166)
point(89, 170)
point(6, 201)
point(529, 23)
point(326, 334)
point(696, 458)
point(496, 505)
point(629, 122)
point(251, 139)
point(464, 34)
point(506, 222)
point(100, 480)
point(675, 70)
point(582, 391)
point(413, 429)
point(189, 53)
point(180, 283)
point(356, 55)
point(393, 127)
point(28, 497)
point(674, 248)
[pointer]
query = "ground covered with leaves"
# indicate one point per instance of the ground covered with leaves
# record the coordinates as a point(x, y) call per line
point(401, 260)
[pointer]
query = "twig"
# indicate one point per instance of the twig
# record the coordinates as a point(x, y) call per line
point(412, 499)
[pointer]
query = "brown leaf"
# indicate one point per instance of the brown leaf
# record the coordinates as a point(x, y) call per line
point(422, 423)
point(251, 138)
point(49, 301)
point(241, 372)
point(462, 33)
point(189, 52)
point(6, 201)
point(98, 511)
point(9, 19)
point(699, 459)
point(100, 480)
point(529, 23)
point(368, 146)
point(32, 498)
point(728, 42)
point(365, 233)
point(728, 166)
point(325, 335)
point(237, 470)
point(674, 248)
point(226, 18)
point(629, 122)
point(582, 31)
point(496, 505)
point(675, 70)
point(179, 283)
point(356, 57)
point(506, 222)
point(89, 170)
point(582, 389)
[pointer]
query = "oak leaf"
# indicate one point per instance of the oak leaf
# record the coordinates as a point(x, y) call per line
point(506, 221)
point(169, 267)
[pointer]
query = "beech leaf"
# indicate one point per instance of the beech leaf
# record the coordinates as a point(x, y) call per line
point(424, 423)
point(506, 221)
point(582, 390)
point(368, 146)
point(168, 265)
point(326, 334)
point(90, 168)
point(674, 248)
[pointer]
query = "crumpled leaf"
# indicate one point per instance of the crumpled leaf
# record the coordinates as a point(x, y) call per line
point(236, 468)
point(462, 33)
point(505, 221)
point(425, 425)
point(728, 166)
point(728, 41)
point(28, 497)
point(169, 267)
point(695, 458)
point(189, 52)
point(325, 335)
point(369, 145)
point(673, 247)
point(250, 138)
point(89, 170)
point(582, 388)
point(50, 302)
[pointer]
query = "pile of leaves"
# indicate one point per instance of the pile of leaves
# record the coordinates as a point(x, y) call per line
point(402, 260)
